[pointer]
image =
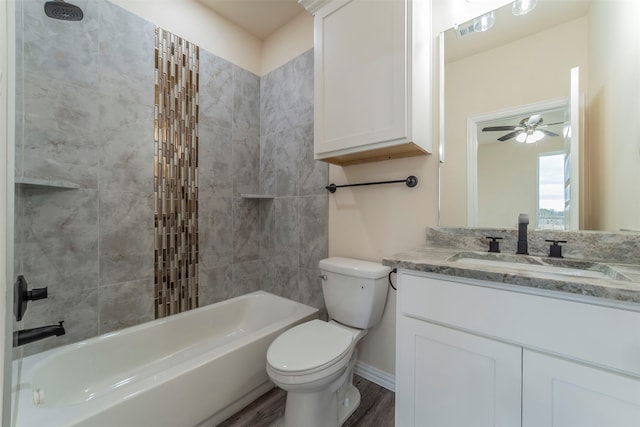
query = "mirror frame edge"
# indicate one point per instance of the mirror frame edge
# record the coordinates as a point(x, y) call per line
point(7, 198)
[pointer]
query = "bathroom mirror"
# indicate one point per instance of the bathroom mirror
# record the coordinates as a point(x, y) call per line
point(527, 60)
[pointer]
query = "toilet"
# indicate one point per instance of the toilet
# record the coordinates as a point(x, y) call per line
point(314, 361)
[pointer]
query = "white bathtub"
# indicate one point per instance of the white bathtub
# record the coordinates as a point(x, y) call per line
point(194, 368)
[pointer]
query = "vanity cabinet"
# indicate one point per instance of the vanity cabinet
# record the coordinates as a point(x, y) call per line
point(475, 353)
point(455, 378)
point(558, 392)
point(372, 79)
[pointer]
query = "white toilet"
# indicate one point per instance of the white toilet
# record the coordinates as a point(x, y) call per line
point(314, 361)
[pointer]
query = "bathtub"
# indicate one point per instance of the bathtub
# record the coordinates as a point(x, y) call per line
point(192, 369)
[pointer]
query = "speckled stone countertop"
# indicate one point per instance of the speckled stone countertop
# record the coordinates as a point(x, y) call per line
point(608, 253)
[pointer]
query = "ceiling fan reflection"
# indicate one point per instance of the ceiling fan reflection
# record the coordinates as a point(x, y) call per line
point(529, 130)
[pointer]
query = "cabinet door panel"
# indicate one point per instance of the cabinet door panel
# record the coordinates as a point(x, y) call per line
point(450, 378)
point(560, 393)
point(361, 85)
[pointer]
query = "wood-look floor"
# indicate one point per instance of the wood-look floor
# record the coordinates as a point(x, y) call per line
point(377, 408)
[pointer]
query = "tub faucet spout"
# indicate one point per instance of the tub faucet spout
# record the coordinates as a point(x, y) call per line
point(523, 222)
point(27, 336)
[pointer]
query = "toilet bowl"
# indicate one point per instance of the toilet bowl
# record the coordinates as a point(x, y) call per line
point(314, 361)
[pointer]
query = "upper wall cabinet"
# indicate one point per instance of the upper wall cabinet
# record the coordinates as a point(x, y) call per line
point(372, 79)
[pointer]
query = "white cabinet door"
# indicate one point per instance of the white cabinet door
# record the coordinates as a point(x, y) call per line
point(560, 393)
point(366, 55)
point(448, 378)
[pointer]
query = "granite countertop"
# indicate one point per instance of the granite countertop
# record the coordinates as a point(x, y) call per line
point(622, 282)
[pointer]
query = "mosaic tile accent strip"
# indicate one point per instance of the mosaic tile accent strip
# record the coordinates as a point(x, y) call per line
point(176, 174)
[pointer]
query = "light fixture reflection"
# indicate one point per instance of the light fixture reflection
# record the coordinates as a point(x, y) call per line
point(522, 7)
point(529, 137)
point(484, 22)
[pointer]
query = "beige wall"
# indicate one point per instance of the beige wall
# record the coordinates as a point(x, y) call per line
point(287, 42)
point(614, 126)
point(493, 81)
point(373, 222)
point(508, 180)
point(200, 25)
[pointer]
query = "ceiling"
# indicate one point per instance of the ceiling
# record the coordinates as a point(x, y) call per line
point(257, 17)
point(507, 28)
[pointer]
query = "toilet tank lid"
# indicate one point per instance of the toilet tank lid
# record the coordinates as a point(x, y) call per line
point(354, 267)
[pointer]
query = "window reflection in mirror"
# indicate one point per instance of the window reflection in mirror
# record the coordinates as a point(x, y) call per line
point(551, 191)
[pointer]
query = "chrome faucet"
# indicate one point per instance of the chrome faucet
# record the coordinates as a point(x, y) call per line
point(27, 336)
point(523, 222)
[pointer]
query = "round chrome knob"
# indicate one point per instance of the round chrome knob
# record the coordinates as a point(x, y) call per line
point(323, 276)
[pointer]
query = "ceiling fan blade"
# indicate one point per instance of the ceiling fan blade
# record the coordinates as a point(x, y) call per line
point(551, 124)
point(548, 133)
point(509, 136)
point(498, 128)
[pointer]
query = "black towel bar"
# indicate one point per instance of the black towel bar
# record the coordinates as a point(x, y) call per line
point(411, 182)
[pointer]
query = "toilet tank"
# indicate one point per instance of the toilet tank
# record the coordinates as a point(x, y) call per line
point(355, 291)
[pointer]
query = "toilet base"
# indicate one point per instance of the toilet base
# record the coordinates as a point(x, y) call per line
point(320, 409)
point(349, 405)
point(328, 407)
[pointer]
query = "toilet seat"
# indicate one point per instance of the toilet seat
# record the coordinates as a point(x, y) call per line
point(308, 348)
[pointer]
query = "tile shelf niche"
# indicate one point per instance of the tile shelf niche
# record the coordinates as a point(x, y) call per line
point(46, 183)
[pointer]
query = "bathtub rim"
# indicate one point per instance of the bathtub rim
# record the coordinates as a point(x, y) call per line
point(23, 390)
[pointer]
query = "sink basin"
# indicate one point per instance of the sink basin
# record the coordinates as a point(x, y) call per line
point(524, 263)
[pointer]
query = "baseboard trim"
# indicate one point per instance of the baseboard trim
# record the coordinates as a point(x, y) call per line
point(375, 375)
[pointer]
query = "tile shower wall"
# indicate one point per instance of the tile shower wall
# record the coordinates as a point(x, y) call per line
point(294, 223)
point(263, 144)
point(87, 108)
point(87, 118)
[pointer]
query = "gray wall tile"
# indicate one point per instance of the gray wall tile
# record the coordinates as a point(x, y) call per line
point(125, 304)
point(126, 236)
point(268, 164)
point(310, 287)
point(47, 209)
point(89, 117)
point(313, 219)
point(63, 259)
point(126, 147)
point(126, 55)
point(246, 230)
point(215, 161)
point(39, 26)
point(313, 175)
point(246, 278)
point(80, 323)
point(286, 162)
point(246, 101)
point(59, 133)
point(65, 57)
point(216, 90)
point(287, 234)
point(246, 162)
point(286, 282)
point(294, 235)
point(215, 231)
point(214, 283)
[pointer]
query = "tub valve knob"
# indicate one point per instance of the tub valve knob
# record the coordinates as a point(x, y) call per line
point(323, 276)
point(21, 296)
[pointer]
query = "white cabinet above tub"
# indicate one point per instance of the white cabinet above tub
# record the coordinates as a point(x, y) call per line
point(476, 353)
point(372, 79)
